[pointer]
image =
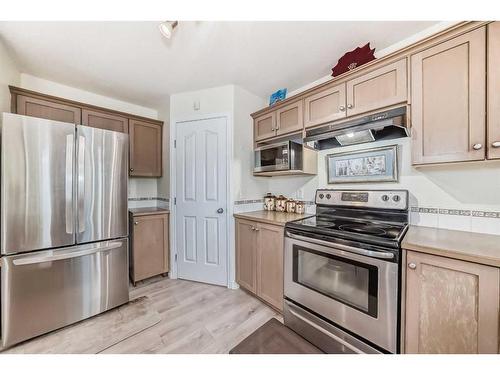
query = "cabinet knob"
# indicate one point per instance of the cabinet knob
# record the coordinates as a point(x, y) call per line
point(342, 108)
point(495, 144)
point(412, 266)
point(136, 222)
point(256, 229)
point(131, 169)
point(477, 146)
point(350, 106)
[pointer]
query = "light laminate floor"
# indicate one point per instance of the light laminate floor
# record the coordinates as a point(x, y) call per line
point(193, 318)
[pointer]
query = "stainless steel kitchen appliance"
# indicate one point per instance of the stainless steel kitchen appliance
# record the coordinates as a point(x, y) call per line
point(342, 271)
point(288, 157)
point(63, 224)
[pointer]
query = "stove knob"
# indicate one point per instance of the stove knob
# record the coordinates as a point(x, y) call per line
point(396, 198)
point(328, 196)
point(321, 196)
point(385, 197)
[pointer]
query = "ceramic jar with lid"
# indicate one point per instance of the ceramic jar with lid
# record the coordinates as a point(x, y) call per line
point(300, 207)
point(269, 202)
point(290, 206)
point(281, 204)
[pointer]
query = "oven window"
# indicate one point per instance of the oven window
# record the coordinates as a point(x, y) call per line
point(350, 282)
point(274, 156)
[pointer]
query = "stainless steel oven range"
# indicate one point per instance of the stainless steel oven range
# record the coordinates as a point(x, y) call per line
point(342, 271)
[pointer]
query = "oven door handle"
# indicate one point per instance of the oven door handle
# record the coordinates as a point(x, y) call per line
point(350, 249)
point(326, 332)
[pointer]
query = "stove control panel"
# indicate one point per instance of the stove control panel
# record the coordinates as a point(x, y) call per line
point(387, 199)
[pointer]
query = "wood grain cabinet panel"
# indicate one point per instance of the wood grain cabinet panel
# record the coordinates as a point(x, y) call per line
point(145, 148)
point(377, 89)
point(452, 306)
point(265, 126)
point(493, 111)
point(448, 96)
point(289, 118)
point(246, 255)
point(103, 120)
point(150, 246)
point(270, 264)
point(324, 106)
point(50, 110)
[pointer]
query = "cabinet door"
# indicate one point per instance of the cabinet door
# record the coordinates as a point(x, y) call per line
point(448, 88)
point(246, 244)
point(103, 120)
point(493, 111)
point(289, 118)
point(150, 246)
point(451, 305)
point(270, 264)
point(47, 109)
point(378, 89)
point(325, 105)
point(265, 126)
point(145, 149)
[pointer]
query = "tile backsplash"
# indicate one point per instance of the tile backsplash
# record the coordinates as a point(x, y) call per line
point(148, 202)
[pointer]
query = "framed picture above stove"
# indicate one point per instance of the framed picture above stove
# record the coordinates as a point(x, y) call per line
point(370, 165)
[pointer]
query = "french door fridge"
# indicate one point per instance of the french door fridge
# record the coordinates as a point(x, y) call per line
point(63, 224)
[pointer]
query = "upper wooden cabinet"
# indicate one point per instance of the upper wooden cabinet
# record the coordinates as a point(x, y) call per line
point(493, 142)
point(452, 306)
point(104, 120)
point(47, 109)
point(265, 126)
point(145, 135)
point(259, 260)
point(448, 100)
point(145, 148)
point(326, 105)
point(289, 118)
point(377, 89)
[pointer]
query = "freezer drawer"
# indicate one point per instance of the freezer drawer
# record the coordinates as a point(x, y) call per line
point(46, 290)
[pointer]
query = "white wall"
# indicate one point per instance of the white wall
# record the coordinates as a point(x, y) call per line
point(163, 183)
point(138, 187)
point(9, 75)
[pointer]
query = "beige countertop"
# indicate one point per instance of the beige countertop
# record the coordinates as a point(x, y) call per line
point(469, 246)
point(148, 210)
point(270, 217)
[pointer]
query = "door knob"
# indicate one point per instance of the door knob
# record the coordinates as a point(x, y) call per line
point(412, 266)
point(220, 210)
point(495, 144)
point(477, 146)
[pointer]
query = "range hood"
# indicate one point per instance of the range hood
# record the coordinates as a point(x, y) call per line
point(384, 125)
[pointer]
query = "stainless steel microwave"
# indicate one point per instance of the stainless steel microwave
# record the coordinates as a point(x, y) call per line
point(285, 157)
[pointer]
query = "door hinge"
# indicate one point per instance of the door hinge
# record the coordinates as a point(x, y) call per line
point(175, 143)
point(175, 258)
point(175, 201)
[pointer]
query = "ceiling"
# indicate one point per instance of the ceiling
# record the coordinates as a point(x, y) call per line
point(133, 62)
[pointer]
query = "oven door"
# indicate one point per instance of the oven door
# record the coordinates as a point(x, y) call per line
point(356, 289)
point(275, 157)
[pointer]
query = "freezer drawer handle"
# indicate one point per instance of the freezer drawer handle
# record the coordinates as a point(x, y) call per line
point(66, 255)
point(68, 183)
point(81, 183)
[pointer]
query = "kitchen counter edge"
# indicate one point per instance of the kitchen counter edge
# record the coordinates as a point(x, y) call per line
point(270, 217)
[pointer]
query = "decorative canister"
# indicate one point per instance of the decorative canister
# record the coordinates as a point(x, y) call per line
point(281, 203)
point(290, 206)
point(269, 202)
point(300, 207)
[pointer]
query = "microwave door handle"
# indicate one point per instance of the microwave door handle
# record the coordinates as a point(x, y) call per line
point(324, 331)
point(350, 249)
point(81, 183)
point(68, 183)
point(66, 254)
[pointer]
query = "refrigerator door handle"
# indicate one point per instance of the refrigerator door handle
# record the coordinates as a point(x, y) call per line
point(81, 184)
point(65, 254)
point(68, 183)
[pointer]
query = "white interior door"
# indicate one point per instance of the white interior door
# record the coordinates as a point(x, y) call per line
point(201, 192)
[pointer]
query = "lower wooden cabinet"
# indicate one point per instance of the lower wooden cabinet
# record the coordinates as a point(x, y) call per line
point(259, 260)
point(452, 306)
point(149, 245)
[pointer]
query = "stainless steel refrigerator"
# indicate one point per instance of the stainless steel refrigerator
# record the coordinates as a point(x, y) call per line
point(63, 224)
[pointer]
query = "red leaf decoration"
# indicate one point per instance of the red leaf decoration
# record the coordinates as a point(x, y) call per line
point(353, 59)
